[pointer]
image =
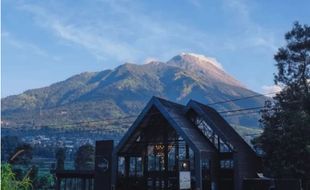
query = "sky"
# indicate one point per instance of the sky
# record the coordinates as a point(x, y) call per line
point(43, 42)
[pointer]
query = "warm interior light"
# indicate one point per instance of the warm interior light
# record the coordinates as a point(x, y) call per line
point(159, 149)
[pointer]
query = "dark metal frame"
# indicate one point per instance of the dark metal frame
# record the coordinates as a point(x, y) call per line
point(176, 117)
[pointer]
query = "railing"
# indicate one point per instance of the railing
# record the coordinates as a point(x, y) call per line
point(74, 180)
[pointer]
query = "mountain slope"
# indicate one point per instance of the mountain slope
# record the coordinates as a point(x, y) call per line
point(125, 90)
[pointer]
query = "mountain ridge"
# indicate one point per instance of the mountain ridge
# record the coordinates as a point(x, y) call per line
point(125, 90)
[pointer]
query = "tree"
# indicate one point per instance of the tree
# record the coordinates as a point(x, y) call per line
point(8, 145)
point(20, 160)
point(85, 158)
point(60, 157)
point(285, 140)
point(9, 182)
point(25, 156)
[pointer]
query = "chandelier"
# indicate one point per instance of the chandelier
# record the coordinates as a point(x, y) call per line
point(159, 149)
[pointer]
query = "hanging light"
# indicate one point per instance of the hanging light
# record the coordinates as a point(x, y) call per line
point(159, 149)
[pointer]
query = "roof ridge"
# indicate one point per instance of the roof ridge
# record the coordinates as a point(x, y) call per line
point(205, 105)
point(162, 100)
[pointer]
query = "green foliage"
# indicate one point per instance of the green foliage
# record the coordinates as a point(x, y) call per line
point(286, 120)
point(85, 158)
point(44, 182)
point(9, 182)
point(293, 60)
point(16, 175)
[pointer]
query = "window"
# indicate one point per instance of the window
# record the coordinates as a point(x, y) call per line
point(121, 166)
point(219, 143)
point(205, 164)
point(226, 164)
point(135, 167)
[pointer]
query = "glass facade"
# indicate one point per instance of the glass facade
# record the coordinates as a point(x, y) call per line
point(156, 156)
point(159, 165)
point(220, 144)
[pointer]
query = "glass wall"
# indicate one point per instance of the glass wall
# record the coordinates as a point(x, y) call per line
point(220, 144)
point(152, 166)
point(155, 156)
point(135, 167)
point(121, 167)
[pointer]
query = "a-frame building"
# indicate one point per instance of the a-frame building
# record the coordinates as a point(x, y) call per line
point(168, 138)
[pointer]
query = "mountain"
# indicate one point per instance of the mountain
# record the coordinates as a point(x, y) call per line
point(125, 90)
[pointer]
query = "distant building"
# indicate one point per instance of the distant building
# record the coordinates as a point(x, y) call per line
point(172, 146)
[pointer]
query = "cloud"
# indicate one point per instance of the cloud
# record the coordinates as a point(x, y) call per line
point(98, 45)
point(149, 60)
point(266, 41)
point(195, 3)
point(122, 32)
point(26, 46)
point(22, 45)
point(271, 90)
point(87, 37)
point(252, 34)
point(125, 32)
point(215, 62)
point(204, 58)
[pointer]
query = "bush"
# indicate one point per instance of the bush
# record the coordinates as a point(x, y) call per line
point(9, 182)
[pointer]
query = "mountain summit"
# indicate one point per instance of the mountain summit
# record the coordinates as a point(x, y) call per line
point(205, 66)
point(125, 90)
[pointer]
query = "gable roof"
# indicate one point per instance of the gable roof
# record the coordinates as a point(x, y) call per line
point(177, 118)
point(220, 125)
point(175, 115)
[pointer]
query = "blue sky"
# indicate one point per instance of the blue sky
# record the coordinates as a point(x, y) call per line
point(48, 41)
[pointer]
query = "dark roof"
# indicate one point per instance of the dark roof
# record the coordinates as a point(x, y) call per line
point(220, 125)
point(175, 115)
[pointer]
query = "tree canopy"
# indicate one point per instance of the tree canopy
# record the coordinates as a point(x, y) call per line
point(85, 157)
point(286, 119)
